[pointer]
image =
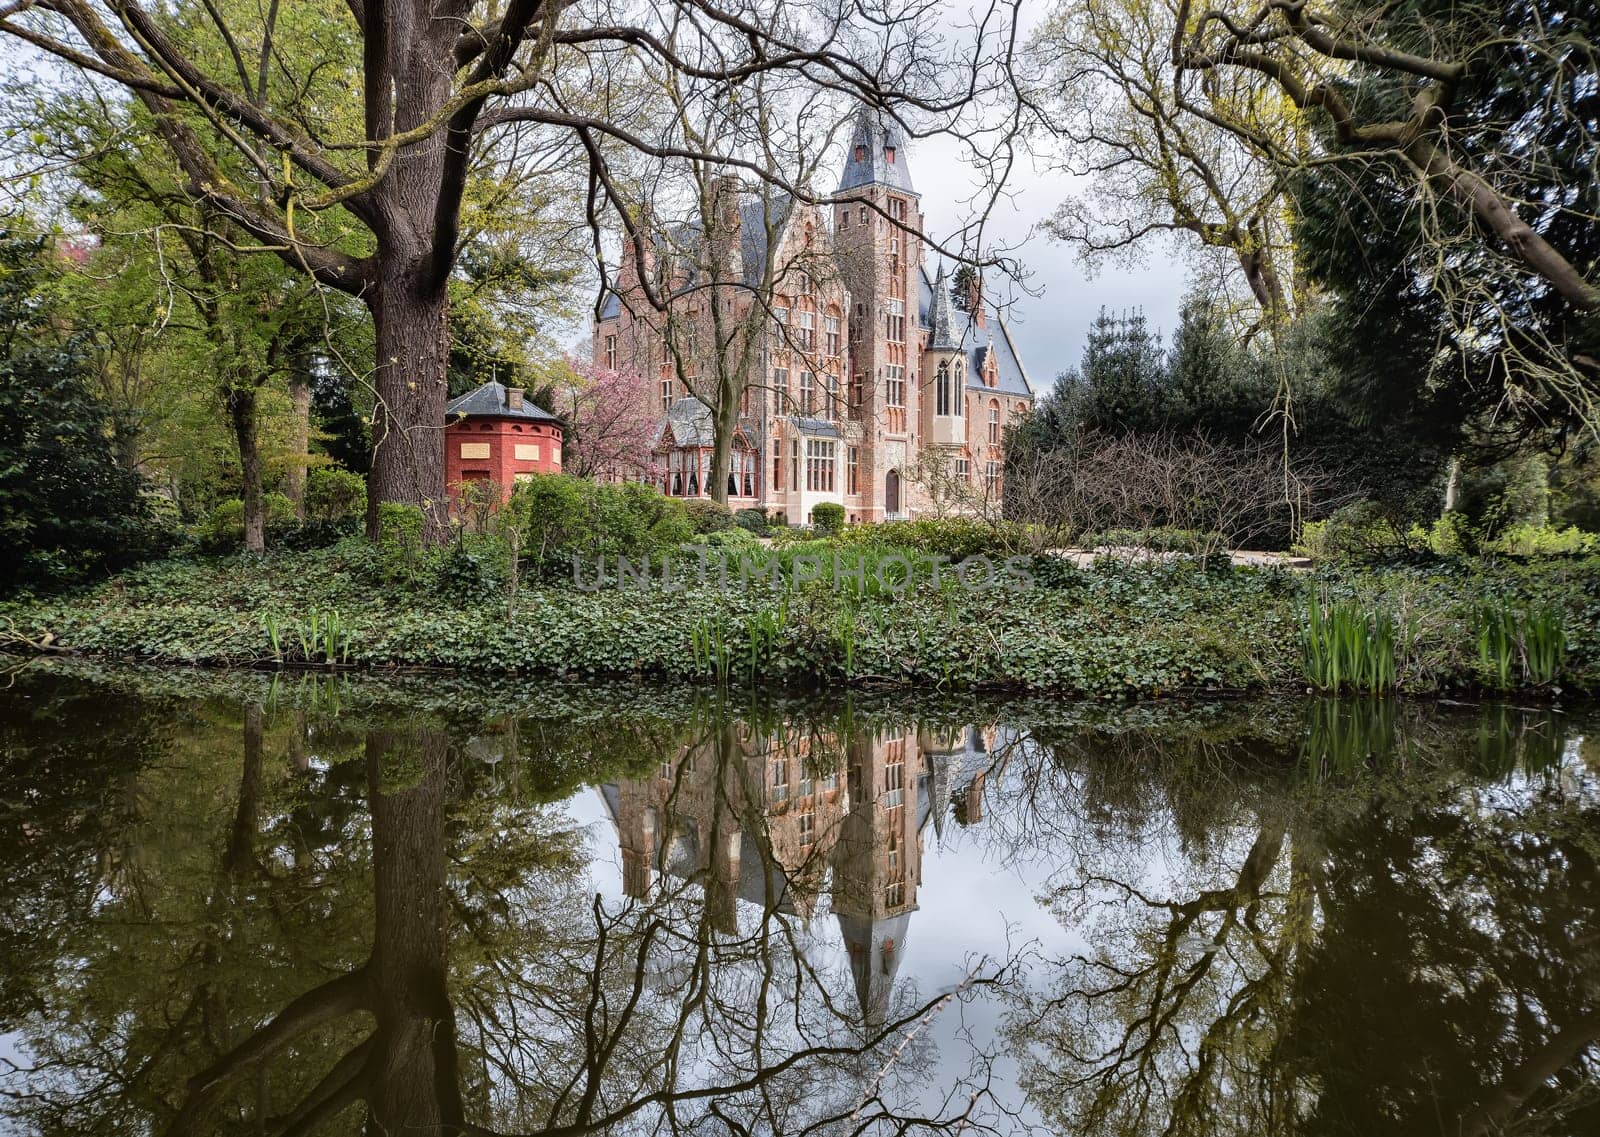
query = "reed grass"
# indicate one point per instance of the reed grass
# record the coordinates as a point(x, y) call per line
point(1347, 647)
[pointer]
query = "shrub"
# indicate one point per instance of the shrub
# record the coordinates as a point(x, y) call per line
point(334, 494)
point(223, 529)
point(1354, 532)
point(558, 516)
point(752, 521)
point(953, 537)
point(399, 539)
point(1453, 536)
point(708, 516)
point(1545, 541)
point(735, 538)
point(470, 570)
point(827, 517)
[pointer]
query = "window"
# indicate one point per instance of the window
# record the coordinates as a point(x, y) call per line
point(780, 323)
point(794, 463)
point(897, 205)
point(830, 388)
point(777, 464)
point(852, 464)
point(888, 153)
point(611, 353)
point(894, 385)
point(991, 477)
point(780, 778)
point(963, 470)
point(780, 388)
point(895, 321)
point(820, 464)
point(844, 219)
point(863, 215)
point(861, 153)
point(808, 829)
point(832, 342)
point(805, 332)
point(856, 389)
point(666, 392)
point(994, 424)
point(941, 390)
point(807, 392)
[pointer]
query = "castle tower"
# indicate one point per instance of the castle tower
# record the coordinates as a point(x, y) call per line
point(877, 866)
point(944, 420)
point(878, 231)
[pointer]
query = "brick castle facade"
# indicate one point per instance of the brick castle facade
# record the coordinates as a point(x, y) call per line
point(847, 373)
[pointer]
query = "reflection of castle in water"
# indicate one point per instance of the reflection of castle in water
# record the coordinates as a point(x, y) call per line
point(779, 818)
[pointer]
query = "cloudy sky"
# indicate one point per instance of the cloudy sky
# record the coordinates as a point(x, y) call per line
point(1050, 315)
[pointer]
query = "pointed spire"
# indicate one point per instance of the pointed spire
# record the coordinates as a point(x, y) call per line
point(941, 314)
point(877, 154)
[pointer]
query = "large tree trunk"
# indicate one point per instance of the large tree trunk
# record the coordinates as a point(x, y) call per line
point(726, 423)
point(415, 1085)
point(241, 400)
point(413, 340)
point(294, 482)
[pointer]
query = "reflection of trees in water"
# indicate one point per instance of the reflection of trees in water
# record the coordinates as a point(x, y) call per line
point(1337, 920)
point(375, 918)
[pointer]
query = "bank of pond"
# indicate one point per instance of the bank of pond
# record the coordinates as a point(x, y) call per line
point(332, 904)
point(843, 612)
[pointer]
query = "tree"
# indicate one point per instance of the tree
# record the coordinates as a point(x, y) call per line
point(67, 508)
point(1154, 164)
point(1454, 121)
point(609, 420)
point(252, 103)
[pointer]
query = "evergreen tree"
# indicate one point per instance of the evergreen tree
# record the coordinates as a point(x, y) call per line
point(67, 509)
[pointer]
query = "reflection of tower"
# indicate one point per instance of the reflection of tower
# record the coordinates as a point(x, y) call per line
point(878, 865)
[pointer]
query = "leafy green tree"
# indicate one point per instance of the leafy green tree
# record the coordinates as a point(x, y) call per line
point(67, 509)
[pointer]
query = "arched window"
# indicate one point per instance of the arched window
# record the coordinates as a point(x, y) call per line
point(941, 389)
point(994, 423)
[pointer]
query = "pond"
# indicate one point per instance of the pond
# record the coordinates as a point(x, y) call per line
point(241, 904)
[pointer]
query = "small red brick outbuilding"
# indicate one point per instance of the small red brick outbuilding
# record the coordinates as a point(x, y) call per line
point(494, 434)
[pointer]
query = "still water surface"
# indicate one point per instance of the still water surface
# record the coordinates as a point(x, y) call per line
point(239, 905)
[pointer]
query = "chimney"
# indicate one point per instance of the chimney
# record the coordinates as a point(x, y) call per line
point(975, 298)
point(514, 398)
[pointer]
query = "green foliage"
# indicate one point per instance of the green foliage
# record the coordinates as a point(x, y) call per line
point(333, 494)
point(753, 521)
point(559, 517)
point(223, 529)
point(1347, 646)
point(1355, 532)
point(318, 637)
point(67, 510)
point(399, 540)
point(1545, 541)
point(827, 518)
point(1115, 629)
point(1528, 645)
point(707, 516)
point(953, 537)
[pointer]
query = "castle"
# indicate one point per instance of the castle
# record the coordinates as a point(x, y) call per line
point(797, 328)
point(783, 818)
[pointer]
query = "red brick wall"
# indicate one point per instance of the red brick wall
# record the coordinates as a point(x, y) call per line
point(501, 465)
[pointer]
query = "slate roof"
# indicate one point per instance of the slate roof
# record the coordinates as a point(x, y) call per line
point(490, 399)
point(1011, 376)
point(875, 135)
point(756, 212)
point(816, 427)
point(942, 316)
point(690, 420)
